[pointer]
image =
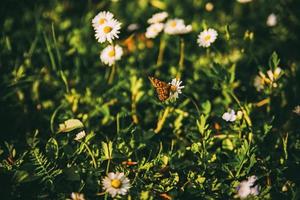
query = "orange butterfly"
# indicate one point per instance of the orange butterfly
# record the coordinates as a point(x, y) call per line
point(163, 89)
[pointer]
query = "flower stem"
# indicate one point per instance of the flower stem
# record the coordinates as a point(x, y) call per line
point(107, 166)
point(113, 69)
point(112, 74)
point(162, 120)
point(245, 113)
point(162, 46)
point(91, 154)
point(181, 57)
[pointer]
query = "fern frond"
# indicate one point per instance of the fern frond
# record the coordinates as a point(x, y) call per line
point(46, 170)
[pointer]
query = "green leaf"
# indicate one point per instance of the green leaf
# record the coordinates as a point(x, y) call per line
point(70, 125)
point(52, 148)
point(107, 150)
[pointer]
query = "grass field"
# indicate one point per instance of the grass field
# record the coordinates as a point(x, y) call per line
point(106, 100)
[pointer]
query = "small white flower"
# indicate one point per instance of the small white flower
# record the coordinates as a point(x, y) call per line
point(101, 19)
point(243, 1)
point(80, 135)
point(177, 27)
point(259, 83)
point(111, 54)
point(207, 37)
point(274, 75)
point(175, 88)
point(297, 110)
point(158, 17)
point(271, 20)
point(77, 196)
point(269, 78)
point(108, 31)
point(277, 72)
point(116, 183)
point(247, 187)
point(154, 29)
point(229, 116)
point(133, 27)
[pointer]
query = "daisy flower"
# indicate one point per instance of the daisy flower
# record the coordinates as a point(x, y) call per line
point(207, 37)
point(108, 31)
point(154, 29)
point(229, 116)
point(80, 135)
point(243, 1)
point(175, 88)
point(77, 196)
point(116, 183)
point(271, 20)
point(158, 17)
point(101, 19)
point(177, 27)
point(111, 54)
point(247, 187)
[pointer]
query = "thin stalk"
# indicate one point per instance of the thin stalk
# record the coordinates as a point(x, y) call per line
point(91, 154)
point(192, 100)
point(181, 57)
point(162, 120)
point(106, 171)
point(113, 70)
point(245, 113)
point(107, 166)
point(162, 46)
point(112, 74)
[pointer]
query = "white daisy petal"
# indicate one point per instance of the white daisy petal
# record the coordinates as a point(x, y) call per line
point(77, 196)
point(207, 37)
point(101, 19)
point(116, 183)
point(175, 88)
point(153, 30)
point(158, 17)
point(108, 31)
point(244, 1)
point(80, 135)
point(177, 27)
point(111, 54)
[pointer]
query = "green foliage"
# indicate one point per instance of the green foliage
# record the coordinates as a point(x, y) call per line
point(66, 122)
point(44, 169)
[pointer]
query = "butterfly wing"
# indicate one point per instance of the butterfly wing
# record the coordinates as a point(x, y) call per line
point(162, 88)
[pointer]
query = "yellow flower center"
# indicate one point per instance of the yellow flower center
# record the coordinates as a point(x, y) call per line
point(101, 21)
point(173, 23)
point(207, 38)
point(116, 183)
point(107, 29)
point(112, 53)
point(173, 88)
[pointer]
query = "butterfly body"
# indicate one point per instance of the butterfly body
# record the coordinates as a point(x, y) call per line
point(163, 89)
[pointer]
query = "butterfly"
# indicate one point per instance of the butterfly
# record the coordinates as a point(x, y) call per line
point(163, 89)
